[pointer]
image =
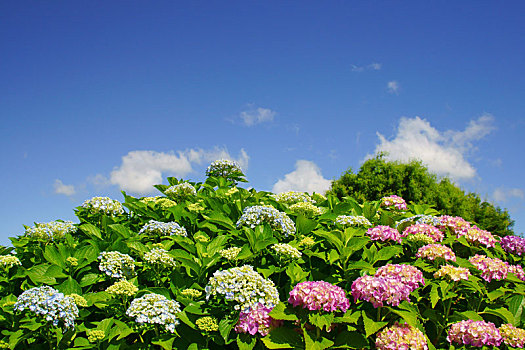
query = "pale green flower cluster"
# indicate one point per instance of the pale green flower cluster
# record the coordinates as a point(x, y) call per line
point(181, 191)
point(258, 214)
point(292, 197)
point(318, 198)
point(51, 230)
point(79, 300)
point(155, 309)
point(159, 256)
point(307, 242)
point(306, 208)
point(230, 253)
point(95, 335)
point(286, 250)
point(162, 202)
point(163, 228)
point(4, 345)
point(72, 261)
point(420, 238)
point(191, 293)
point(122, 288)
point(244, 286)
point(9, 261)
point(232, 191)
point(207, 324)
point(103, 205)
point(352, 220)
point(196, 207)
point(116, 265)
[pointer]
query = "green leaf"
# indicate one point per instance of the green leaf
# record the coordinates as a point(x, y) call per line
point(89, 279)
point(283, 338)
point(501, 312)
point(283, 311)
point(296, 273)
point(470, 315)
point(37, 274)
point(350, 340)
point(91, 230)
point(495, 294)
point(305, 225)
point(321, 321)
point(70, 286)
point(121, 230)
point(165, 344)
point(351, 317)
point(246, 341)
point(225, 327)
point(372, 327)
point(408, 317)
point(216, 245)
point(516, 304)
point(313, 343)
point(388, 253)
point(434, 295)
point(52, 255)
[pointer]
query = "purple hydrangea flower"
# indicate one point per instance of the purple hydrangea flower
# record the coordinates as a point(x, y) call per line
point(317, 295)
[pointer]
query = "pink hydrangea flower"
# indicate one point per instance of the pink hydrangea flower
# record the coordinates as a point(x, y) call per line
point(457, 224)
point(513, 336)
point(257, 320)
point(427, 230)
point(491, 268)
point(513, 244)
point(384, 233)
point(401, 337)
point(518, 271)
point(380, 290)
point(394, 201)
point(452, 272)
point(409, 275)
point(319, 295)
point(476, 235)
point(474, 333)
point(434, 251)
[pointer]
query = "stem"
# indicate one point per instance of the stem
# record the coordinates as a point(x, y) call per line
point(379, 314)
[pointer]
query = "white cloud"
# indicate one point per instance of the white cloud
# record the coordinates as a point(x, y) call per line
point(443, 152)
point(140, 170)
point(306, 177)
point(393, 87)
point(371, 66)
point(502, 194)
point(61, 188)
point(257, 116)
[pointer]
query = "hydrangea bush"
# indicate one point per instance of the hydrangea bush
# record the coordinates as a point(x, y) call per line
point(217, 266)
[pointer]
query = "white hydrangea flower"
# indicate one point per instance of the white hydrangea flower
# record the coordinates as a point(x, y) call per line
point(258, 214)
point(292, 197)
point(181, 190)
point(230, 253)
point(155, 309)
point(116, 265)
point(163, 202)
point(51, 230)
point(103, 205)
point(286, 250)
point(49, 303)
point(420, 219)
point(159, 256)
point(352, 220)
point(306, 208)
point(224, 168)
point(9, 261)
point(244, 286)
point(163, 228)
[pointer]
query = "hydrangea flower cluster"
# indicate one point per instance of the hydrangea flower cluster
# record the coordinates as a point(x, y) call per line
point(51, 230)
point(224, 168)
point(8, 261)
point(306, 242)
point(379, 290)
point(116, 265)
point(122, 288)
point(159, 256)
point(491, 268)
point(476, 235)
point(163, 202)
point(319, 295)
point(230, 253)
point(155, 309)
point(103, 205)
point(394, 202)
point(257, 214)
point(71, 261)
point(352, 220)
point(50, 304)
point(420, 238)
point(231, 191)
point(435, 251)
point(513, 336)
point(286, 250)
point(384, 233)
point(306, 208)
point(95, 335)
point(401, 337)
point(474, 333)
point(163, 229)
point(79, 300)
point(420, 219)
point(207, 324)
point(244, 286)
point(409, 275)
point(191, 293)
point(452, 272)
point(181, 191)
point(518, 271)
point(257, 320)
point(292, 197)
point(457, 224)
point(513, 244)
point(196, 207)
point(427, 230)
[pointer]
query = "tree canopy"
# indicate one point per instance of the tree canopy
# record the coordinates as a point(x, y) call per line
point(413, 181)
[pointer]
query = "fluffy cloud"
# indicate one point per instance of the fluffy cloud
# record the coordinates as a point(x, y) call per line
point(306, 177)
point(371, 66)
point(393, 87)
point(257, 116)
point(61, 188)
point(443, 152)
point(140, 170)
point(502, 194)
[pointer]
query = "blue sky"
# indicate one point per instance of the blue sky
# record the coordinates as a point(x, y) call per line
point(98, 97)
